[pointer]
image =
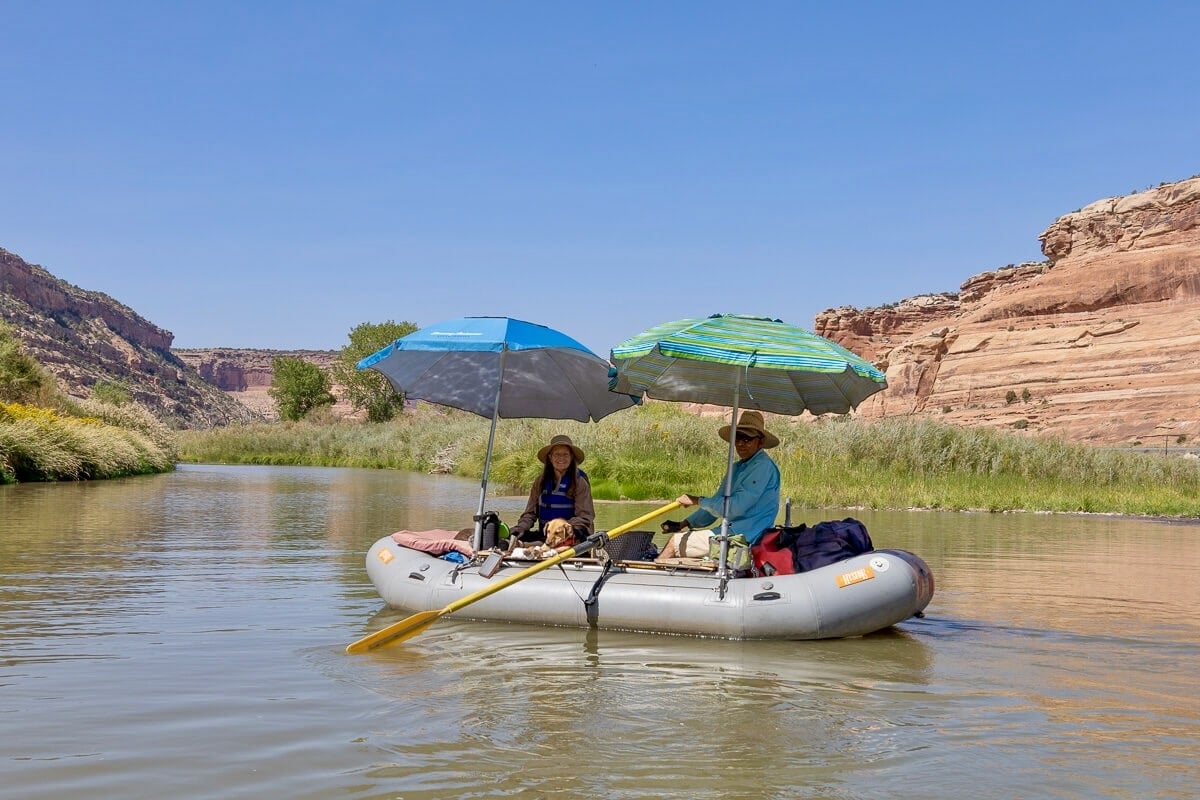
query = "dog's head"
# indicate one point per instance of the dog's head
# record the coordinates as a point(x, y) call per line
point(558, 532)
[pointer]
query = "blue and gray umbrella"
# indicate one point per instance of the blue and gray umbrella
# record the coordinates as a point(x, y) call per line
point(748, 362)
point(499, 367)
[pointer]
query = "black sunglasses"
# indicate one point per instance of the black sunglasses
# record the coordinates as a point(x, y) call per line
point(746, 437)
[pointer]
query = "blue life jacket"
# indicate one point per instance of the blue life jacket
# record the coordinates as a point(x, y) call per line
point(555, 503)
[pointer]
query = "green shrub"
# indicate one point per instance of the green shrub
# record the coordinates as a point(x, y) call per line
point(113, 393)
point(298, 387)
point(22, 379)
point(369, 390)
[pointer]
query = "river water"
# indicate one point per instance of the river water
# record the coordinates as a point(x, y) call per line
point(182, 635)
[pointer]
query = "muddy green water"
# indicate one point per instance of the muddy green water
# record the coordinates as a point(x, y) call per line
point(182, 635)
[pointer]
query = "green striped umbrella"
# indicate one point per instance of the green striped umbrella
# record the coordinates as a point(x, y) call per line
point(752, 362)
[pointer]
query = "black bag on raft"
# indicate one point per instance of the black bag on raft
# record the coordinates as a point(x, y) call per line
point(490, 534)
point(825, 543)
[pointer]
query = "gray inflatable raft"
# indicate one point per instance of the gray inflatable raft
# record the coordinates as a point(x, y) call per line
point(853, 597)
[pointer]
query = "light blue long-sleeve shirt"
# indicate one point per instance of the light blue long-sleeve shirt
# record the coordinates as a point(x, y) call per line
point(753, 503)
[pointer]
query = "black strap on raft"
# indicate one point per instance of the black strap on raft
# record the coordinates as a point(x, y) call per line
point(597, 541)
point(458, 568)
point(592, 603)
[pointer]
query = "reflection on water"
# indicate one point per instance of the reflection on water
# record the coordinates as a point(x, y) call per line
point(517, 702)
point(181, 635)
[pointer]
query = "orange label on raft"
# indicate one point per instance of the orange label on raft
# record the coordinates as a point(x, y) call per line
point(385, 555)
point(858, 576)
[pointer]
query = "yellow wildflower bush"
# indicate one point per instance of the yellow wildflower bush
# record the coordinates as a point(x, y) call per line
point(42, 444)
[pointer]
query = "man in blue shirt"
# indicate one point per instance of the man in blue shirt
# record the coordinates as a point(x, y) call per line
point(754, 499)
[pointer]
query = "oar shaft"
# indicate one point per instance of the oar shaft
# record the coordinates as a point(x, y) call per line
point(411, 626)
point(550, 562)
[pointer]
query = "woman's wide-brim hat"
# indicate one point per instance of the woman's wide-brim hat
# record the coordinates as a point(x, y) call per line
point(544, 453)
point(752, 423)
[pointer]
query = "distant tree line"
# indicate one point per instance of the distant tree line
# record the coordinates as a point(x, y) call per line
point(299, 387)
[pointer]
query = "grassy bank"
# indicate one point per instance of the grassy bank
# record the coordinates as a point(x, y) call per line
point(92, 440)
point(658, 451)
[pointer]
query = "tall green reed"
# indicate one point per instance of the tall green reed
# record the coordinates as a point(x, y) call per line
point(659, 450)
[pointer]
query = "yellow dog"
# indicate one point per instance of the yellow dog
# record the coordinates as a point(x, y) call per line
point(559, 533)
point(559, 537)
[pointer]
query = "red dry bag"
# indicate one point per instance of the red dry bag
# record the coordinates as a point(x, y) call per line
point(771, 557)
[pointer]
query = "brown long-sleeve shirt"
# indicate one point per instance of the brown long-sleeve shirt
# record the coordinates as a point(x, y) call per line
point(585, 511)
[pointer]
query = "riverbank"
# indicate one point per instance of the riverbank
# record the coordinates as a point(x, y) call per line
point(658, 451)
point(96, 440)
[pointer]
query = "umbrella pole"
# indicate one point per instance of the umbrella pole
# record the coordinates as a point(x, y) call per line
point(723, 562)
point(477, 539)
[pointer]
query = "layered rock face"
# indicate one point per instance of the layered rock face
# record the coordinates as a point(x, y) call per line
point(1101, 343)
point(84, 337)
point(245, 374)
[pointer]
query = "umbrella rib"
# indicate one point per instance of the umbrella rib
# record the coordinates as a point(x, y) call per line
point(438, 362)
point(421, 376)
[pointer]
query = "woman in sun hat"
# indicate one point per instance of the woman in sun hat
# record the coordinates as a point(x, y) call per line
point(560, 510)
point(753, 502)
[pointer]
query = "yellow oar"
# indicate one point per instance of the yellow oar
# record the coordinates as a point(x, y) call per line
point(411, 626)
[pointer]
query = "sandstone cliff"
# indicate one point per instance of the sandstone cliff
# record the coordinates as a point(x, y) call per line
point(1100, 343)
point(84, 337)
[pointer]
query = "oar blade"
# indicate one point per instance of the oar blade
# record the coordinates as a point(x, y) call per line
point(396, 632)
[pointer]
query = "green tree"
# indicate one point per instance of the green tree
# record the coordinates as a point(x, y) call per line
point(297, 387)
point(114, 393)
point(368, 390)
point(22, 380)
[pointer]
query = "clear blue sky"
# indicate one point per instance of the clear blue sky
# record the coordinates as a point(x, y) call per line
point(265, 174)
